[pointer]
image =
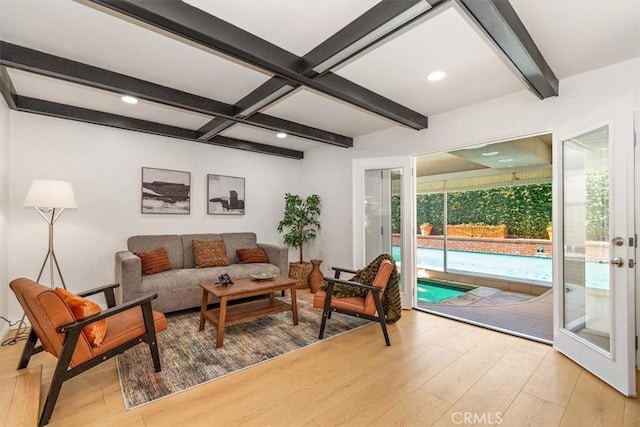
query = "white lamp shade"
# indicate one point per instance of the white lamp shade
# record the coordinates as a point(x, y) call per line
point(47, 193)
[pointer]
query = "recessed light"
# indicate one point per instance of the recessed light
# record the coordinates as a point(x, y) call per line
point(505, 160)
point(490, 153)
point(129, 99)
point(281, 135)
point(436, 75)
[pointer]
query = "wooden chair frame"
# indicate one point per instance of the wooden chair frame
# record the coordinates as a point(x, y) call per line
point(63, 372)
point(328, 309)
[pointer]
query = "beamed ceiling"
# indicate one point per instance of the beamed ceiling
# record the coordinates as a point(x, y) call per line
point(235, 73)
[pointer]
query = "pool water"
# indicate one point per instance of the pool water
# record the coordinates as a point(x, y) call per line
point(436, 292)
point(530, 269)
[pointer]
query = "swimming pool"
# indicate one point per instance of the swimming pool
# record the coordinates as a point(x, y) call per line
point(434, 291)
point(532, 269)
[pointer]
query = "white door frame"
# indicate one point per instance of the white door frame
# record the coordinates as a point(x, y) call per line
point(636, 139)
point(408, 227)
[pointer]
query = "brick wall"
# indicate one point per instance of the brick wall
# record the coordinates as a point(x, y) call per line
point(525, 247)
point(595, 251)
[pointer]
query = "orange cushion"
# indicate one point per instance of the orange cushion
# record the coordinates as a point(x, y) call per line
point(252, 255)
point(209, 253)
point(83, 308)
point(154, 261)
point(347, 303)
point(126, 326)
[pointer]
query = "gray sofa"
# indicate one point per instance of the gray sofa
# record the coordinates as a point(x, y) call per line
point(178, 288)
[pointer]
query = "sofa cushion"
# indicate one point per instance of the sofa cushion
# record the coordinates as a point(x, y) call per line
point(252, 255)
point(154, 261)
point(209, 254)
point(171, 242)
point(83, 308)
point(187, 246)
point(235, 241)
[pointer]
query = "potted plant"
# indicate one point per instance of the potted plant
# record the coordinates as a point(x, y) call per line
point(550, 231)
point(299, 225)
point(426, 228)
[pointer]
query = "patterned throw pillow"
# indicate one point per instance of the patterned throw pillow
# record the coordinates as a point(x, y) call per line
point(154, 261)
point(209, 253)
point(252, 255)
point(82, 308)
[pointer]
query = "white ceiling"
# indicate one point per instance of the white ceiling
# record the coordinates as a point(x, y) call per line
point(574, 36)
point(317, 110)
point(446, 42)
point(78, 31)
point(297, 26)
point(50, 89)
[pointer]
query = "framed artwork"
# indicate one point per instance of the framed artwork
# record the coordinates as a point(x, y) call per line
point(166, 191)
point(225, 195)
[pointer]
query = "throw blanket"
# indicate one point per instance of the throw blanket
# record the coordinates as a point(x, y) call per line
point(391, 296)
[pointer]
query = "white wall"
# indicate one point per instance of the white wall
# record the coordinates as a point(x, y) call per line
point(4, 198)
point(104, 166)
point(505, 117)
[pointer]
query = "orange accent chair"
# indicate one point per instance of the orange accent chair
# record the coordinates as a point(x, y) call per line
point(367, 307)
point(61, 335)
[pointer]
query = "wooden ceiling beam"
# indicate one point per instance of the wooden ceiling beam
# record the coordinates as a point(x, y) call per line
point(70, 112)
point(193, 24)
point(502, 24)
point(381, 21)
point(26, 59)
point(7, 89)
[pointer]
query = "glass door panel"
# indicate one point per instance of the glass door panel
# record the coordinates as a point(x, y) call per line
point(382, 200)
point(587, 290)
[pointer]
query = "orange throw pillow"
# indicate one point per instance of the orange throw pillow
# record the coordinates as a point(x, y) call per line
point(83, 308)
point(209, 253)
point(154, 261)
point(252, 255)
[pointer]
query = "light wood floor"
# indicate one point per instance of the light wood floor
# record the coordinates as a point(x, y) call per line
point(437, 372)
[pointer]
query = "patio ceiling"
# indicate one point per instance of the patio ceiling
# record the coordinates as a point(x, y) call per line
point(514, 162)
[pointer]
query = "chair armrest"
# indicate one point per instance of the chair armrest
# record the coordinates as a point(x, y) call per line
point(350, 283)
point(97, 290)
point(339, 270)
point(109, 296)
point(108, 312)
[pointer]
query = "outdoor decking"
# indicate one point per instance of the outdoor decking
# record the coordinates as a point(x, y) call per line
point(530, 319)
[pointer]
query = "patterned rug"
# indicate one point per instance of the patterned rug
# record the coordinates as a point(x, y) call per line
point(189, 357)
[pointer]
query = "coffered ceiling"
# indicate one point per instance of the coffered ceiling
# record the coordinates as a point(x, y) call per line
point(235, 73)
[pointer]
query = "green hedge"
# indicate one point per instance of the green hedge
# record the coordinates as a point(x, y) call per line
point(526, 210)
point(598, 205)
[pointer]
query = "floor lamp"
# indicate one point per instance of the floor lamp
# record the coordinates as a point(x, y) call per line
point(50, 198)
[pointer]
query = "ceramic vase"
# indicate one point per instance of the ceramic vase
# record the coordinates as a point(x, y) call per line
point(315, 277)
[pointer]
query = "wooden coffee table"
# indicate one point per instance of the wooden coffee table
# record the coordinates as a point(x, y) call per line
point(244, 312)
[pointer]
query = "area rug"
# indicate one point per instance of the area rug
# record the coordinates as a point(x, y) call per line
point(189, 357)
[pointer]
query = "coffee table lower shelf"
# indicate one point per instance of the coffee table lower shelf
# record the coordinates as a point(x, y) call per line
point(247, 311)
